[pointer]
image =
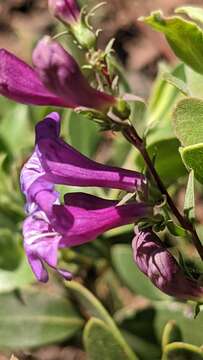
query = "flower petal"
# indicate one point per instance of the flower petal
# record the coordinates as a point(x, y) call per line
point(65, 10)
point(19, 82)
point(81, 222)
point(65, 165)
point(41, 245)
point(61, 74)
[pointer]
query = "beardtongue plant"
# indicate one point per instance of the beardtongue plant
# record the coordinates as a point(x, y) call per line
point(55, 223)
point(56, 79)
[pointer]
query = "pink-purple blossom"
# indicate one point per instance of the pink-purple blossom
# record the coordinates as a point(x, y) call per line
point(51, 225)
point(65, 10)
point(56, 79)
point(157, 263)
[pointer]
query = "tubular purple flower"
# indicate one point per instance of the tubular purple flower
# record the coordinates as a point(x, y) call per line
point(80, 220)
point(55, 162)
point(19, 82)
point(56, 81)
point(51, 225)
point(157, 263)
point(61, 74)
point(65, 10)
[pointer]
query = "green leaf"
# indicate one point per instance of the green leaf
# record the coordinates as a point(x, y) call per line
point(178, 83)
point(89, 302)
point(182, 314)
point(137, 326)
point(189, 204)
point(194, 82)
point(192, 157)
point(101, 342)
point(131, 276)
point(10, 250)
point(171, 333)
point(138, 110)
point(15, 126)
point(167, 160)
point(40, 318)
point(184, 37)
point(176, 230)
point(188, 121)
point(182, 351)
point(193, 12)
point(164, 148)
point(93, 307)
point(83, 134)
point(16, 279)
point(164, 95)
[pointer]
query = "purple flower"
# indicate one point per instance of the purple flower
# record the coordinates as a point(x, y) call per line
point(81, 219)
point(57, 79)
point(51, 225)
point(55, 162)
point(65, 10)
point(157, 263)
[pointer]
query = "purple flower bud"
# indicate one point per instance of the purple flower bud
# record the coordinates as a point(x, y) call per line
point(156, 262)
point(65, 10)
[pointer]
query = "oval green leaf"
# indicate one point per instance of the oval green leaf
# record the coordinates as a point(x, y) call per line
point(101, 342)
point(131, 276)
point(182, 351)
point(188, 121)
point(184, 37)
point(36, 318)
point(193, 159)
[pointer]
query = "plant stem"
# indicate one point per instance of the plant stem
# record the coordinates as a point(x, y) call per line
point(131, 135)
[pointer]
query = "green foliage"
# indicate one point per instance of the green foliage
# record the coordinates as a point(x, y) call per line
point(131, 275)
point(101, 342)
point(181, 351)
point(189, 204)
point(184, 37)
point(17, 278)
point(35, 318)
point(92, 307)
point(192, 157)
point(188, 121)
point(171, 333)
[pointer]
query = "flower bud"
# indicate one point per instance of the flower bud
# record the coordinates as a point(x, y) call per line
point(157, 263)
point(65, 10)
point(83, 34)
point(68, 12)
